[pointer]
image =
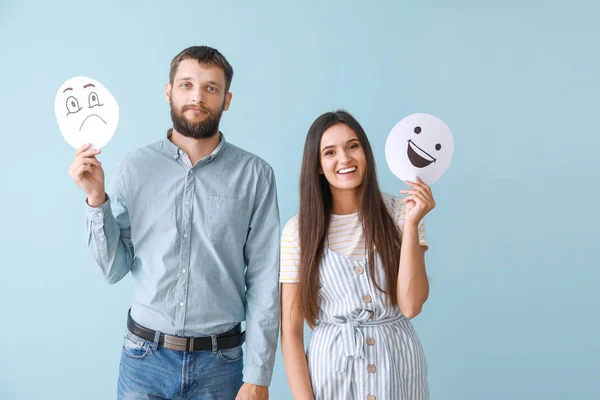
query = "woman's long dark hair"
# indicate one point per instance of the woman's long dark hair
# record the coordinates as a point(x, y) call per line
point(381, 233)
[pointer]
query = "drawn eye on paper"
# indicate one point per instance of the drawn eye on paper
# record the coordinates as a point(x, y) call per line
point(86, 112)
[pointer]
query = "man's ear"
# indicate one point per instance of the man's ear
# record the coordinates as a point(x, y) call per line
point(168, 90)
point(228, 97)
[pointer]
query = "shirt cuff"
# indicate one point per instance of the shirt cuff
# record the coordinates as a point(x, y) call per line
point(257, 375)
point(105, 206)
point(96, 218)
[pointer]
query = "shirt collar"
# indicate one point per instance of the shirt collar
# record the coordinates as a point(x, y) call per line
point(171, 150)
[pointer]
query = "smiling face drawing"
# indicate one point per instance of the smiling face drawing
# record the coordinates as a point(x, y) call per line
point(419, 145)
point(86, 112)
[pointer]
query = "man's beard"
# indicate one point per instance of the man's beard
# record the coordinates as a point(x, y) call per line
point(196, 130)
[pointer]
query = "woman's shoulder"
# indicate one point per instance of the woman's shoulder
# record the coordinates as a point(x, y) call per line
point(394, 204)
point(291, 228)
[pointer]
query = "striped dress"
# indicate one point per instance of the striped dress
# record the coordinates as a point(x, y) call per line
point(363, 347)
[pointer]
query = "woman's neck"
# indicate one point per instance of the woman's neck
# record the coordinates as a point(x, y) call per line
point(344, 201)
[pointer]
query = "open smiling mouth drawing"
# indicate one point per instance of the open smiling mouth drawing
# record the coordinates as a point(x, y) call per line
point(89, 116)
point(417, 156)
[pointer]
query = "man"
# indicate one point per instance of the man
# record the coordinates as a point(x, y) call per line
point(195, 220)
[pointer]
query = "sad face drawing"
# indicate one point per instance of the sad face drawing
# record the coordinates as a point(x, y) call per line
point(86, 112)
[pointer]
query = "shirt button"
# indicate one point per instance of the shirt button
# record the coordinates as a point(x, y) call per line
point(371, 368)
point(191, 172)
point(181, 304)
point(187, 203)
point(359, 270)
point(371, 397)
point(183, 271)
point(185, 235)
point(370, 341)
point(367, 299)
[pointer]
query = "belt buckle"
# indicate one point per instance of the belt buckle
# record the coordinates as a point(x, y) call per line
point(175, 343)
point(191, 346)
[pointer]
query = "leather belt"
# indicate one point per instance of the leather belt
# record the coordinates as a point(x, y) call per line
point(227, 340)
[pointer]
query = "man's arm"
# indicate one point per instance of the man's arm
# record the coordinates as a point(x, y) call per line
point(261, 254)
point(109, 231)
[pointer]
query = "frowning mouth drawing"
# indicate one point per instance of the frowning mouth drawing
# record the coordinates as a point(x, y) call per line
point(89, 116)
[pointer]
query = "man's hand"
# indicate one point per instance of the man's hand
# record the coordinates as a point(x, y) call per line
point(249, 391)
point(86, 171)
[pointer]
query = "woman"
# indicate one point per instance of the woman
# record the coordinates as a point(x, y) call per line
point(352, 266)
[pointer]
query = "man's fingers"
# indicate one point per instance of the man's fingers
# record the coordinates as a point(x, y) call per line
point(82, 169)
point(82, 149)
point(88, 153)
point(90, 161)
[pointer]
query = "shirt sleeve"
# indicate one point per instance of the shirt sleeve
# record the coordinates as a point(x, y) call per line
point(261, 254)
point(109, 234)
point(289, 264)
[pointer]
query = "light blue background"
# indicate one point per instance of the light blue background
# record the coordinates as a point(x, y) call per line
point(513, 312)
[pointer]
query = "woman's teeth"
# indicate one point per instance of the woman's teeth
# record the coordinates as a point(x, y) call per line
point(347, 170)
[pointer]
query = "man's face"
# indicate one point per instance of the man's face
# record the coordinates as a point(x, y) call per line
point(197, 98)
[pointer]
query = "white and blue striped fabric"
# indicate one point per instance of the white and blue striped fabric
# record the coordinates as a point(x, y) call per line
point(363, 347)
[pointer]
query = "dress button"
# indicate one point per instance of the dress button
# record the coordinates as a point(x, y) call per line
point(371, 368)
point(359, 270)
point(367, 299)
point(370, 341)
point(371, 314)
point(371, 397)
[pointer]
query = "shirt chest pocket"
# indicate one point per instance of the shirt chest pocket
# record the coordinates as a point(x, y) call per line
point(227, 219)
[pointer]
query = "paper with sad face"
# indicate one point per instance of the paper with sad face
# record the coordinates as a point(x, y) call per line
point(419, 145)
point(86, 112)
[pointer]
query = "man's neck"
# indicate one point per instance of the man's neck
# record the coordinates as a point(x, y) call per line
point(196, 149)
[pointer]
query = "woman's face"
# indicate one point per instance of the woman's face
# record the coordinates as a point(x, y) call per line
point(342, 158)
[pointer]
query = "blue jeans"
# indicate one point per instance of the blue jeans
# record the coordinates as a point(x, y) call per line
point(149, 371)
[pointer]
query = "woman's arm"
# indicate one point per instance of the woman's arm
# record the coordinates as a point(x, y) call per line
point(292, 343)
point(413, 286)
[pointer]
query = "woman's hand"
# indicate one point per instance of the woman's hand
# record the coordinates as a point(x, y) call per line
point(418, 202)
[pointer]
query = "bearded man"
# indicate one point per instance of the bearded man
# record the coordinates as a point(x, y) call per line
point(195, 221)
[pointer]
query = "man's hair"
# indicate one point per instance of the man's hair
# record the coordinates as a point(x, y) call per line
point(205, 56)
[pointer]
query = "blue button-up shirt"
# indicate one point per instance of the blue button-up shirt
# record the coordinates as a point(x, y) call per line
point(201, 243)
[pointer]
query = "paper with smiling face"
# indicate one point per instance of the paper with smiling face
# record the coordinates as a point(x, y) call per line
point(86, 112)
point(419, 145)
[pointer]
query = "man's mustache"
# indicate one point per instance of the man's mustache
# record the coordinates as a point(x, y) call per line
point(203, 109)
